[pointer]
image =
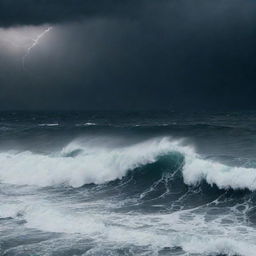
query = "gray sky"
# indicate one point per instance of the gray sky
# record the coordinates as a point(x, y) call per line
point(184, 54)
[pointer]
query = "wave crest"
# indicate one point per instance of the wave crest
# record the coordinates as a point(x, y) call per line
point(79, 164)
point(88, 165)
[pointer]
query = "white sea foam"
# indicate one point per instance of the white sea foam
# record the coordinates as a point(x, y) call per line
point(217, 246)
point(197, 169)
point(99, 164)
point(186, 229)
point(9, 210)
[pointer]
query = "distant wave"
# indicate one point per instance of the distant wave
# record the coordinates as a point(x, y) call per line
point(90, 124)
point(79, 164)
point(87, 124)
point(52, 124)
point(4, 128)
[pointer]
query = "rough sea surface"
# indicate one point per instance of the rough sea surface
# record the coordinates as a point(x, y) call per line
point(127, 183)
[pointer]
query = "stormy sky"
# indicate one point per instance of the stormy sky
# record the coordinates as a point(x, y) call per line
point(127, 54)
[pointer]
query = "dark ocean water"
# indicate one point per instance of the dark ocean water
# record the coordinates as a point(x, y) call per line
point(127, 183)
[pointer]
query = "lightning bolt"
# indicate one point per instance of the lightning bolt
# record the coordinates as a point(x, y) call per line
point(34, 44)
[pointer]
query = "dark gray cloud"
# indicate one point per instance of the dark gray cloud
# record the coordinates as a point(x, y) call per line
point(181, 54)
point(35, 12)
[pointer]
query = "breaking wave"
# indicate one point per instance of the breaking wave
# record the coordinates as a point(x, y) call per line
point(80, 163)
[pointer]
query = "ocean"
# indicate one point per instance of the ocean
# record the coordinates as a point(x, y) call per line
point(127, 183)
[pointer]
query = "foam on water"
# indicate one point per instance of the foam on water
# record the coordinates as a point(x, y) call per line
point(225, 177)
point(187, 229)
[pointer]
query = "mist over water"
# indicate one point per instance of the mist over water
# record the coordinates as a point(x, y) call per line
point(122, 183)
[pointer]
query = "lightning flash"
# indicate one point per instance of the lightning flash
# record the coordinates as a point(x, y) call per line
point(34, 44)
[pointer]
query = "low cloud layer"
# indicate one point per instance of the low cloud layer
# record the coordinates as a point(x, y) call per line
point(36, 12)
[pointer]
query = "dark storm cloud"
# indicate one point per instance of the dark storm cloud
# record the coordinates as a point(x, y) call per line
point(34, 12)
point(178, 54)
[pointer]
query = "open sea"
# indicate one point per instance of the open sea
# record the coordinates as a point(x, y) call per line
point(127, 183)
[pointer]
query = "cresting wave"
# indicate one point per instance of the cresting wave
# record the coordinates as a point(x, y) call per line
point(79, 164)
